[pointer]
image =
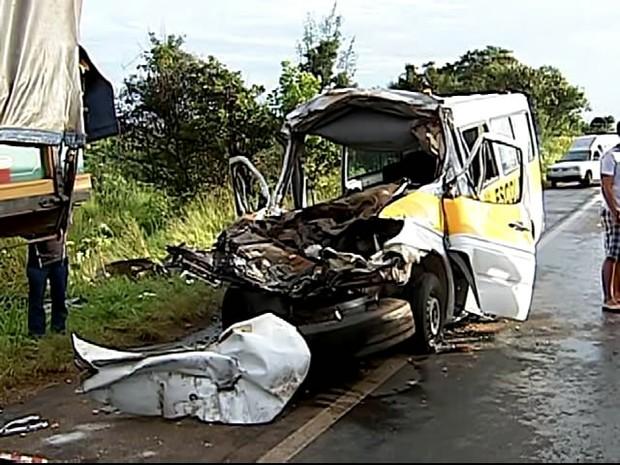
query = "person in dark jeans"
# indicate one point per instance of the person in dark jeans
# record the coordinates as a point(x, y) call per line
point(47, 260)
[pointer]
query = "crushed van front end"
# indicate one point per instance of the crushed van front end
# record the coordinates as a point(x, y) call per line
point(340, 270)
point(324, 268)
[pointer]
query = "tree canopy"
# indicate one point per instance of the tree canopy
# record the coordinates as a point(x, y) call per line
point(601, 125)
point(184, 116)
point(557, 104)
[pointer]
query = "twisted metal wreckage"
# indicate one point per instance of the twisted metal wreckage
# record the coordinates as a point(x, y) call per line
point(247, 376)
point(338, 245)
point(322, 249)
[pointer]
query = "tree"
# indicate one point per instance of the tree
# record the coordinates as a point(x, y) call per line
point(323, 53)
point(601, 125)
point(183, 117)
point(325, 61)
point(557, 104)
point(295, 87)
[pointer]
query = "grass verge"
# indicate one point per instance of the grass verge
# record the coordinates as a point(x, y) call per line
point(118, 312)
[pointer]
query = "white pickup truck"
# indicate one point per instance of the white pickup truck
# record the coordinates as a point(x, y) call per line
point(582, 161)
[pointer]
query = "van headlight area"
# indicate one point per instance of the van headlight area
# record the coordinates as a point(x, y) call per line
point(575, 173)
point(560, 172)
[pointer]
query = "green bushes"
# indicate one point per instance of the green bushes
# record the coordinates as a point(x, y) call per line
point(122, 219)
point(552, 149)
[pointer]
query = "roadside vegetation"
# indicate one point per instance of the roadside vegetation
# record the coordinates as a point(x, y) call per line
point(165, 180)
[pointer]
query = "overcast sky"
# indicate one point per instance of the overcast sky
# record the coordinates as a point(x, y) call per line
point(578, 37)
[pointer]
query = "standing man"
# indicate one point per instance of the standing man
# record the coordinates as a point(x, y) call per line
point(610, 187)
point(47, 260)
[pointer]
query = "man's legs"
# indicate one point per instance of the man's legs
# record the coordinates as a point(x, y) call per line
point(58, 288)
point(608, 276)
point(615, 290)
point(610, 243)
point(37, 278)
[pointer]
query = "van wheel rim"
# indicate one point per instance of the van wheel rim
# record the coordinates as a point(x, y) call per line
point(433, 309)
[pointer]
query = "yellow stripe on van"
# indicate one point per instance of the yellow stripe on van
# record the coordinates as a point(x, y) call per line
point(422, 206)
point(535, 176)
point(464, 215)
point(486, 220)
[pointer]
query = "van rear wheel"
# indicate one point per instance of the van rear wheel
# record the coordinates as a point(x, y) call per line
point(429, 312)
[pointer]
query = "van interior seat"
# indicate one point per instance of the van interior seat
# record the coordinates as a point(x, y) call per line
point(419, 167)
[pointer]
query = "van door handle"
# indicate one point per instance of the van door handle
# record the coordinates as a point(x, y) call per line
point(518, 226)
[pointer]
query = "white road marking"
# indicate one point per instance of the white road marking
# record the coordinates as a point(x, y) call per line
point(307, 433)
point(567, 221)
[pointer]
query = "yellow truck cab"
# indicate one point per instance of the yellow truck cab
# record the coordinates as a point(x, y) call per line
point(53, 101)
point(440, 212)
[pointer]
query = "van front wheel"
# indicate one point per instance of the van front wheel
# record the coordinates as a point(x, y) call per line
point(429, 312)
point(587, 180)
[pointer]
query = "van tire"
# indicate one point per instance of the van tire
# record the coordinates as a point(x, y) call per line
point(587, 180)
point(554, 184)
point(240, 304)
point(429, 312)
point(235, 307)
point(358, 333)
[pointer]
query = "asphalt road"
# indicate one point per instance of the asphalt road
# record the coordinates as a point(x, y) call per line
point(561, 202)
point(541, 391)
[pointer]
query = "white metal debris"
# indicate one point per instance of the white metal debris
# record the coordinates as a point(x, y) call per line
point(23, 425)
point(247, 377)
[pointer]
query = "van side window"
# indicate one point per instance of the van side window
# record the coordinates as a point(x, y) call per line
point(502, 127)
point(508, 158)
point(491, 171)
point(496, 188)
point(470, 136)
point(508, 190)
point(522, 134)
point(506, 154)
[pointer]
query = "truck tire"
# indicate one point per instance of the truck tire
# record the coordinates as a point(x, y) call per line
point(429, 312)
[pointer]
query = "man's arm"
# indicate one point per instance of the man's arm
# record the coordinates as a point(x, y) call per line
point(608, 172)
point(607, 183)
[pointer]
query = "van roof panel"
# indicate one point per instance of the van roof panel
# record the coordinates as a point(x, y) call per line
point(475, 108)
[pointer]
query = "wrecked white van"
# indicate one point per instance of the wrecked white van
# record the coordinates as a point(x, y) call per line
point(441, 199)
